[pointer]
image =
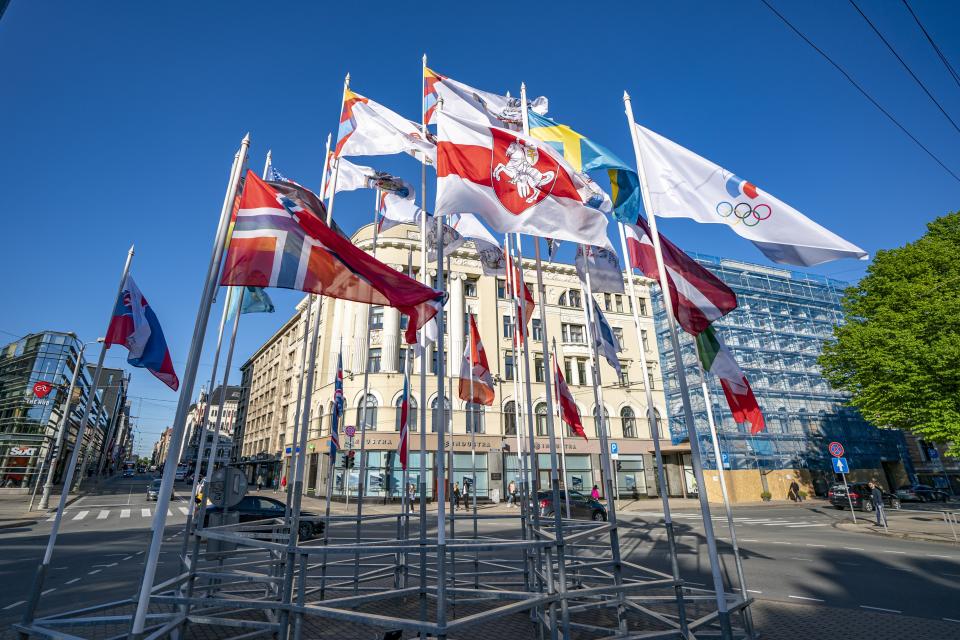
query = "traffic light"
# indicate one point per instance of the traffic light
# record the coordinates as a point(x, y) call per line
point(619, 468)
point(351, 459)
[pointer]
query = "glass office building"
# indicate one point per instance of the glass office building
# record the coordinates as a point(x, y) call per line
point(30, 418)
point(776, 335)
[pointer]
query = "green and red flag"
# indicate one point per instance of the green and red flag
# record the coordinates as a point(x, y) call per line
point(717, 359)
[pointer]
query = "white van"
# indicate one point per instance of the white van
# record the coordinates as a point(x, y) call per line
point(181, 474)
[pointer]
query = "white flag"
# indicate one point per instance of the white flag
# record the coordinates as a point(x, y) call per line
point(681, 184)
point(473, 104)
point(492, 260)
point(602, 264)
point(368, 128)
point(395, 210)
point(351, 177)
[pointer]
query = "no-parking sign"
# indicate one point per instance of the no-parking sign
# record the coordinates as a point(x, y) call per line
point(835, 449)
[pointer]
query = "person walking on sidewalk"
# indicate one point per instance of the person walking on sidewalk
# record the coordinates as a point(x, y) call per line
point(456, 496)
point(595, 494)
point(411, 496)
point(876, 494)
point(511, 493)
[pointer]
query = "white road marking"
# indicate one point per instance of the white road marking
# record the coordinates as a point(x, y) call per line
point(81, 515)
point(94, 572)
point(805, 598)
point(945, 619)
point(801, 526)
point(169, 513)
point(145, 513)
point(802, 559)
point(853, 548)
point(903, 553)
point(43, 593)
point(753, 591)
point(124, 513)
point(128, 557)
point(107, 566)
point(72, 581)
point(816, 545)
point(20, 602)
point(781, 524)
point(54, 517)
point(780, 542)
point(863, 606)
point(933, 555)
point(748, 540)
point(183, 510)
point(103, 514)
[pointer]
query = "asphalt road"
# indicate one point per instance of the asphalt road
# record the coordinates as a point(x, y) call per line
point(790, 554)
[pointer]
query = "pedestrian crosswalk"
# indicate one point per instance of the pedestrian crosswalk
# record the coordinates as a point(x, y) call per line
point(788, 523)
point(116, 513)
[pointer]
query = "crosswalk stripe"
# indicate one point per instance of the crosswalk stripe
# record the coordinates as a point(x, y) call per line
point(145, 513)
point(169, 513)
point(781, 524)
point(103, 514)
point(81, 515)
point(125, 513)
point(797, 526)
point(183, 510)
point(53, 517)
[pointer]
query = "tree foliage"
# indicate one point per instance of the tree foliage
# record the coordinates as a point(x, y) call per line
point(898, 355)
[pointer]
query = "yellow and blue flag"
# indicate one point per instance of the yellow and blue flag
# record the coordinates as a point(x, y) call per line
point(585, 155)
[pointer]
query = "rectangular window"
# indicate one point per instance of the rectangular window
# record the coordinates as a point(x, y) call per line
point(538, 369)
point(618, 303)
point(573, 333)
point(537, 329)
point(650, 376)
point(582, 369)
point(618, 334)
point(470, 287)
point(433, 361)
point(507, 326)
point(644, 339)
point(568, 370)
point(501, 289)
point(624, 373)
point(642, 306)
point(508, 366)
point(607, 302)
point(376, 317)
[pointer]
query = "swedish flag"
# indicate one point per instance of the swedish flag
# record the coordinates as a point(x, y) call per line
point(585, 155)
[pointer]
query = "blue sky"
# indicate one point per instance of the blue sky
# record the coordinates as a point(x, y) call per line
point(120, 120)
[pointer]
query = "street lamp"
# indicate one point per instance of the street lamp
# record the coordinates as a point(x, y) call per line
point(48, 485)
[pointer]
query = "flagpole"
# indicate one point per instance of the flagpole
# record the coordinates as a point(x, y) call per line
point(405, 497)
point(363, 407)
point(471, 406)
point(655, 435)
point(748, 618)
point(37, 591)
point(323, 176)
point(607, 467)
point(336, 166)
point(441, 423)
point(425, 278)
point(563, 448)
point(331, 467)
point(186, 390)
point(723, 613)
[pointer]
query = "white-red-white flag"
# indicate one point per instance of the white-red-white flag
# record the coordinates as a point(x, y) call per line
point(515, 183)
point(476, 381)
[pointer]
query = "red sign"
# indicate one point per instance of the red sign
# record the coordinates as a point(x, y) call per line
point(520, 175)
point(835, 449)
point(41, 389)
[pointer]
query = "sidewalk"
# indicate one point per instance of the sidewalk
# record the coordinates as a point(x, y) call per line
point(925, 525)
point(14, 508)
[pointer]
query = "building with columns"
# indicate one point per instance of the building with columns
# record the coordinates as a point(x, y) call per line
point(272, 376)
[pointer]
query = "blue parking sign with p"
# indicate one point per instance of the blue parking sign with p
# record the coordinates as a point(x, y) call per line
point(840, 465)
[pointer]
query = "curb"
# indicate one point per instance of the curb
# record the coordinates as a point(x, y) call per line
point(849, 526)
point(13, 524)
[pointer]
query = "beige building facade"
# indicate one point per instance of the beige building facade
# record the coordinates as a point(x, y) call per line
point(271, 379)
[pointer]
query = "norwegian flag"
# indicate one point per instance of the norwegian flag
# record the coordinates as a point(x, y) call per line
point(402, 448)
point(337, 407)
point(281, 241)
point(568, 408)
point(524, 299)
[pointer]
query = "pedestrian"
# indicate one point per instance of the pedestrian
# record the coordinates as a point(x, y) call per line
point(411, 496)
point(595, 494)
point(512, 493)
point(876, 494)
point(794, 491)
point(260, 482)
point(283, 482)
point(466, 495)
point(456, 496)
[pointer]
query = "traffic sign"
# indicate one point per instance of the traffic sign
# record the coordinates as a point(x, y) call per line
point(840, 465)
point(836, 449)
point(933, 453)
point(725, 459)
point(614, 450)
point(227, 487)
point(350, 430)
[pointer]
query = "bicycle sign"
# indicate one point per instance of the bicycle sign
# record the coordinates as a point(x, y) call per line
point(835, 449)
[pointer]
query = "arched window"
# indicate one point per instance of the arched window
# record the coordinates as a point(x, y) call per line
point(658, 427)
point(446, 412)
point(412, 423)
point(629, 422)
point(596, 421)
point(367, 413)
point(510, 419)
point(541, 413)
point(475, 418)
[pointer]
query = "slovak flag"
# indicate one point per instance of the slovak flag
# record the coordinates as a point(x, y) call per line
point(515, 183)
point(281, 241)
point(402, 448)
point(337, 407)
point(135, 326)
point(568, 408)
point(476, 381)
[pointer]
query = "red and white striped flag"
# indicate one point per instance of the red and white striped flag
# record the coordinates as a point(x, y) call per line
point(525, 302)
point(476, 381)
point(568, 408)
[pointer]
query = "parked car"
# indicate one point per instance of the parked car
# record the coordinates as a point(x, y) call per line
point(922, 493)
point(153, 490)
point(253, 508)
point(860, 496)
point(581, 506)
point(128, 473)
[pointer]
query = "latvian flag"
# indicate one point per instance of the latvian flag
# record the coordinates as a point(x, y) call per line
point(280, 240)
point(698, 296)
point(568, 408)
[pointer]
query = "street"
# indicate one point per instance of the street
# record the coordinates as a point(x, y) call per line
point(792, 555)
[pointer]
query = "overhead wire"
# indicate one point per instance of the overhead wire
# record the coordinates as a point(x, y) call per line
point(860, 89)
point(946, 63)
point(905, 65)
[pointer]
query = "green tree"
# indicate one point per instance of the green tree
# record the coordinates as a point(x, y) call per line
point(898, 355)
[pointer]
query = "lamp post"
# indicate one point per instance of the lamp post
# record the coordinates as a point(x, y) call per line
point(48, 485)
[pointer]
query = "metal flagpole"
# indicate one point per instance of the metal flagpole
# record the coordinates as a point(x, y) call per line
point(425, 278)
point(747, 617)
point(62, 430)
point(186, 390)
point(655, 435)
point(364, 400)
point(44, 565)
point(405, 497)
point(472, 417)
point(440, 422)
point(563, 449)
point(600, 420)
point(723, 613)
point(336, 418)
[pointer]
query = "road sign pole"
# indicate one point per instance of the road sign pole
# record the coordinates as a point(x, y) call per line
point(849, 499)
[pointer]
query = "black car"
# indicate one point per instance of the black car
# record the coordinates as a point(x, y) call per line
point(581, 506)
point(922, 493)
point(860, 495)
point(253, 508)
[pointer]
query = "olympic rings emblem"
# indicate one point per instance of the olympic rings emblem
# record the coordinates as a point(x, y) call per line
point(749, 215)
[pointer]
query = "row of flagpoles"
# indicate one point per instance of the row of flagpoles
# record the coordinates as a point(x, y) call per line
point(536, 184)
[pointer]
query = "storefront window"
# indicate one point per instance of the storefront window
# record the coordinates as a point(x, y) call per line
point(631, 481)
point(463, 471)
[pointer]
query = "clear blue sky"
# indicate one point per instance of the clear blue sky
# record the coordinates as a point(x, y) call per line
point(119, 121)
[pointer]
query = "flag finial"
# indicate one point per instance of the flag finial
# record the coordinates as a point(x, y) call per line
point(523, 86)
point(130, 252)
point(346, 79)
point(246, 138)
point(424, 59)
point(626, 96)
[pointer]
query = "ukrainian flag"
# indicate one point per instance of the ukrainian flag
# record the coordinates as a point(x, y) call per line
point(585, 155)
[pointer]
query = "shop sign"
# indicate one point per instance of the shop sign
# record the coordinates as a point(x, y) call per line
point(22, 451)
point(42, 388)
